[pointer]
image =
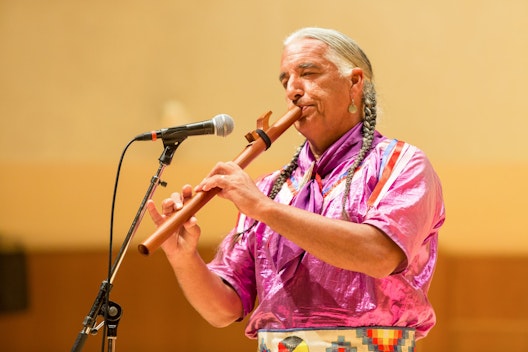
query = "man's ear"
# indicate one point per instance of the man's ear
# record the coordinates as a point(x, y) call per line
point(356, 76)
point(356, 89)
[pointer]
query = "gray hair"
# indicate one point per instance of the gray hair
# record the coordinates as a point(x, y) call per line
point(343, 51)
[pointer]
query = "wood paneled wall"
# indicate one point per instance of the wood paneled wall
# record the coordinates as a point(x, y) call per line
point(480, 301)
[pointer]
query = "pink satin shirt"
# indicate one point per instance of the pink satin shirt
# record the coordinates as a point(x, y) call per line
point(309, 293)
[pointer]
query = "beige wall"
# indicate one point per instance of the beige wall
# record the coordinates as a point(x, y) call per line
point(80, 79)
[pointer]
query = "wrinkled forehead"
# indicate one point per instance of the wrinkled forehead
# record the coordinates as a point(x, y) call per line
point(305, 53)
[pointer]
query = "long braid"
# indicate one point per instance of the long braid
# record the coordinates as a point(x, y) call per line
point(346, 54)
point(285, 174)
point(369, 127)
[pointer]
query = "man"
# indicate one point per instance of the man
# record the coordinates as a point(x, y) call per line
point(340, 246)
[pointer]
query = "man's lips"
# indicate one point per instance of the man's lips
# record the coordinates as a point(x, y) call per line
point(305, 109)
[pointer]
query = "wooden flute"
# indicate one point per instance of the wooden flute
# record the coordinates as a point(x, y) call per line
point(260, 140)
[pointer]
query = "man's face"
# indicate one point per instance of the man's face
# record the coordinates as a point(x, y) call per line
point(314, 83)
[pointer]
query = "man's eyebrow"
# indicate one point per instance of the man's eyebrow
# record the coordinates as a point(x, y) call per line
point(307, 65)
point(300, 66)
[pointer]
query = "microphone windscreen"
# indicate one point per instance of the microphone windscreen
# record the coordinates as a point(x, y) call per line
point(224, 124)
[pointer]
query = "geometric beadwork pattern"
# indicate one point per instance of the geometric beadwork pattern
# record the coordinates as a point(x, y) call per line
point(341, 346)
point(386, 340)
point(361, 339)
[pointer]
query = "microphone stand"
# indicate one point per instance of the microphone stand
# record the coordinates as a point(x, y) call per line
point(111, 311)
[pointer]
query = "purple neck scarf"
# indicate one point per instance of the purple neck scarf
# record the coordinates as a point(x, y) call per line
point(310, 195)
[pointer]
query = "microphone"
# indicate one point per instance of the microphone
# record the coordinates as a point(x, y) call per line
point(221, 125)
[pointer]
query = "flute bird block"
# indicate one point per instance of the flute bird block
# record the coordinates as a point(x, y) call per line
point(262, 124)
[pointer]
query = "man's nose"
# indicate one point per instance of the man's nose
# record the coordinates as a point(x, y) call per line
point(294, 89)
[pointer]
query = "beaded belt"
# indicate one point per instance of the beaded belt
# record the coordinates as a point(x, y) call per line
point(362, 339)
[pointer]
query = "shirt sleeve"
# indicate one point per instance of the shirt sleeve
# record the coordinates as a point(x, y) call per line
point(411, 211)
point(234, 263)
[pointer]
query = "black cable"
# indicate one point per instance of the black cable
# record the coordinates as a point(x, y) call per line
point(111, 240)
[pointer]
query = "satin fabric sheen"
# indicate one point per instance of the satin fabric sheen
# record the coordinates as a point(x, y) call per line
point(310, 194)
point(308, 293)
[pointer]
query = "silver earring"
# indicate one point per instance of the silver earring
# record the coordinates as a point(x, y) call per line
point(352, 108)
